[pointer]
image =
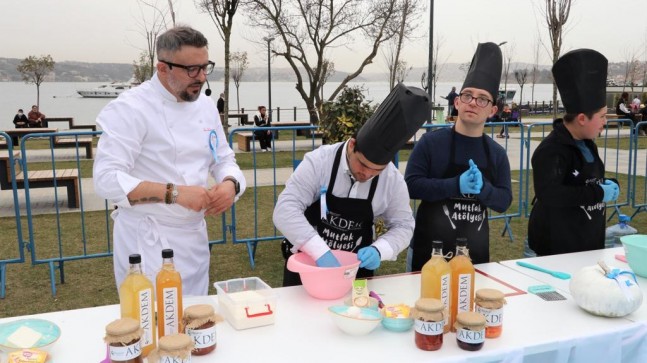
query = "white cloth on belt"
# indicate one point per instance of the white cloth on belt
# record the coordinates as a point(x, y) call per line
point(148, 235)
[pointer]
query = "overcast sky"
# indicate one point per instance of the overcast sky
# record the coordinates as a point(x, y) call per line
point(110, 31)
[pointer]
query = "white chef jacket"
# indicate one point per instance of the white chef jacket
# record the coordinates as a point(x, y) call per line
point(391, 202)
point(149, 136)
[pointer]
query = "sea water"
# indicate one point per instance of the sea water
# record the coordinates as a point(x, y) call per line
point(60, 99)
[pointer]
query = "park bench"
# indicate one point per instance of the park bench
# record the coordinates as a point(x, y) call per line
point(73, 141)
point(70, 123)
point(68, 178)
point(244, 139)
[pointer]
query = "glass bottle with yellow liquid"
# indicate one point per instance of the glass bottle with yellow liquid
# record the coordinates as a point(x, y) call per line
point(168, 285)
point(462, 295)
point(435, 279)
point(137, 301)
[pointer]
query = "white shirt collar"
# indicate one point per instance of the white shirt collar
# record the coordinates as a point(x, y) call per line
point(159, 87)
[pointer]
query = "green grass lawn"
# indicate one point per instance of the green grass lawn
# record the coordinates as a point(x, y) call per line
point(90, 282)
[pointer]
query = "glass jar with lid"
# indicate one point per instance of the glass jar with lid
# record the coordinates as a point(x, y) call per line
point(123, 338)
point(470, 330)
point(429, 322)
point(200, 324)
point(172, 348)
point(489, 302)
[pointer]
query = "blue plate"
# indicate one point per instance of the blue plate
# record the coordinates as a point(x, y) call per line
point(50, 333)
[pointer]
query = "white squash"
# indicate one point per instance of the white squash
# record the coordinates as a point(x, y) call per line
point(600, 295)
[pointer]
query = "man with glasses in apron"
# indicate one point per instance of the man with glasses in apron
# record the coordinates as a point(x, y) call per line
point(460, 172)
point(332, 199)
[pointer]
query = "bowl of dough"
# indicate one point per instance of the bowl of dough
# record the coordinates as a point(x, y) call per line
point(326, 283)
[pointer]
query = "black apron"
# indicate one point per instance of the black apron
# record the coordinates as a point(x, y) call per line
point(448, 219)
point(348, 225)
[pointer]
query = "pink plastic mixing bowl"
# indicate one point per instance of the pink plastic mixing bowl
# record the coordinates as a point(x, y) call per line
point(326, 283)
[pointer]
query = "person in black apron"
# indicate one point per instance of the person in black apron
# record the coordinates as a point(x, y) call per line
point(569, 213)
point(456, 190)
point(342, 205)
point(348, 219)
point(448, 219)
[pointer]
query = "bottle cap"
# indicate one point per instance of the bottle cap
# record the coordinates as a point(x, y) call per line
point(135, 258)
point(470, 320)
point(175, 342)
point(167, 253)
point(437, 244)
point(461, 242)
point(199, 311)
point(123, 331)
point(624, 218)
point(490, 298)
point(429, 305)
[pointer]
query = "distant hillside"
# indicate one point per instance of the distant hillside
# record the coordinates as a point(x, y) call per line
point(69, 71)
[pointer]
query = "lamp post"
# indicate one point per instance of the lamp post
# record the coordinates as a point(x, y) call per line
point(507, 67)
point(269, 77)
point(430, 70)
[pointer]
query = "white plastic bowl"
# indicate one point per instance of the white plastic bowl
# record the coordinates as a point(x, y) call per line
point(363, 324)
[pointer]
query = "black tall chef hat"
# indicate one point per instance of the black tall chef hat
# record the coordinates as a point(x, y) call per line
point(485, 69)
point(397, 119)
point(581, 77)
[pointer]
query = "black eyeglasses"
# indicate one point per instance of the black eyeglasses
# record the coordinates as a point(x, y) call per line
point(193, 70)
point(480, 101)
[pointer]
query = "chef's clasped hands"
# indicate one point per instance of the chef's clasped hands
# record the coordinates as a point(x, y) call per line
point(471, 181)
point(611, 191)
point(214, 201)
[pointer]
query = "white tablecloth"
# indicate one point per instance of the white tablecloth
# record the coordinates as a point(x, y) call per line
point(534, 330)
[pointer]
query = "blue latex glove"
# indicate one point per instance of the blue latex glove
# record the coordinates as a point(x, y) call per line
point(327, 260)
point(611, 191)
point(369, 257)
point(468, 181)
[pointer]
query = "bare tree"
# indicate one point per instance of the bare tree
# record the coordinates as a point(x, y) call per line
point(222, 14)
point(307, 29)
point(328, 71)
point(239, 64)
point(34, 70)
point(410, 11)
point(556, 14)
point(534, 73)
point(142, 69)
point(631, 69)
point(437, 66)
point(507, 61)
point(153, 22)
point(521, 76)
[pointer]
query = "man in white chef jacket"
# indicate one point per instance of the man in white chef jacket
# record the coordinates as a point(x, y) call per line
point(160, 142)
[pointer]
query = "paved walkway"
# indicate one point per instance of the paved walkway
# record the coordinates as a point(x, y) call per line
point(42, 199)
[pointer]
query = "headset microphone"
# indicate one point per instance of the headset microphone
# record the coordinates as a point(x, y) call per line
point(208, 90)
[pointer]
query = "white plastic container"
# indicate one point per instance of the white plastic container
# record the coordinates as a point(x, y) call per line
point(246, 302)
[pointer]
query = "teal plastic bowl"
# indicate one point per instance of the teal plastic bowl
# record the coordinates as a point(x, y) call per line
point(50, 333)
point(636, 251)
point(397, 324)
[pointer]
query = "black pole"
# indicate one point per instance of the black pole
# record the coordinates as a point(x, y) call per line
point(269, 80)
point(430, 75)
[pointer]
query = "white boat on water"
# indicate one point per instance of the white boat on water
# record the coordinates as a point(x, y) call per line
point(111, 90)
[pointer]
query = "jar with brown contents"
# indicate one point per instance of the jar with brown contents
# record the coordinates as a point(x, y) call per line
point(200, 324)
point(489, 302)
point(470, 330)
point(429, 322)
point(174, 348)
point(123, 338)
